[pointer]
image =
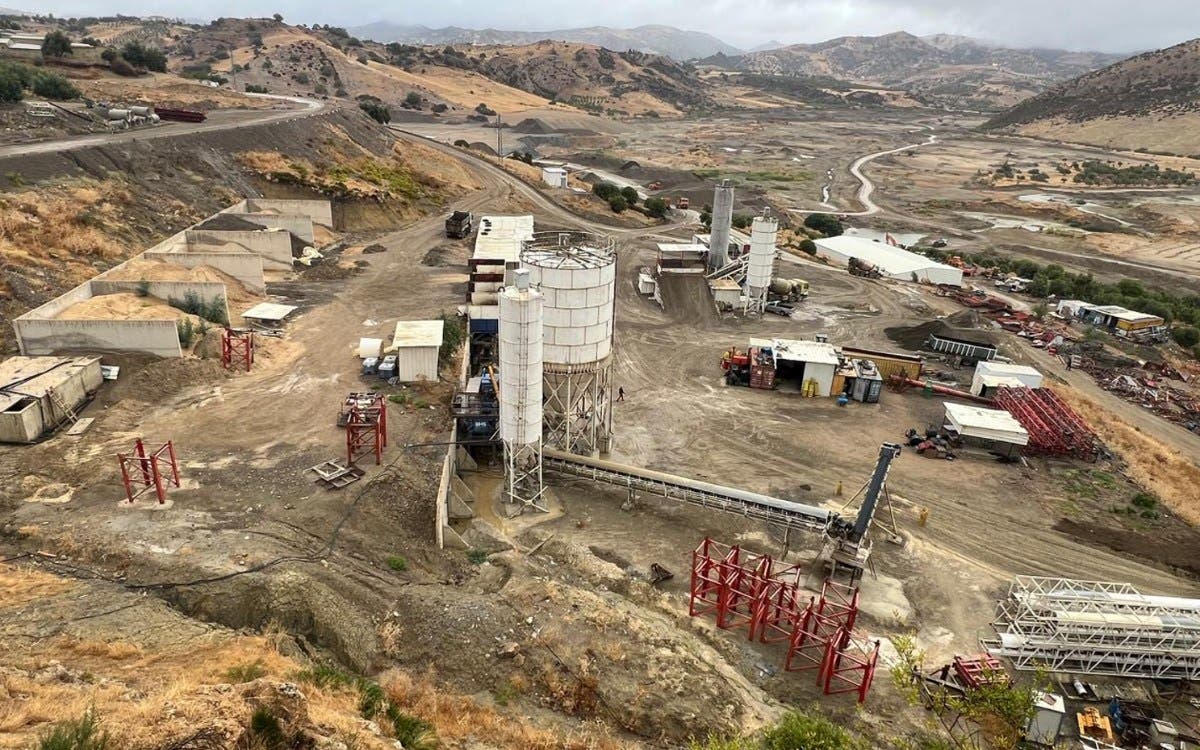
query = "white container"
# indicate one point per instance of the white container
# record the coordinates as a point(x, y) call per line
point(521, 316)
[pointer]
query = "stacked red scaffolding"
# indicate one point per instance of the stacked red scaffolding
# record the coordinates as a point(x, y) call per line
point(743, 588)
point(366, 428)
point(1054, 428)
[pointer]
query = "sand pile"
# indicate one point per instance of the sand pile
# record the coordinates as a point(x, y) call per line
point(323, 235)
point(123, 306)
point(142, 269)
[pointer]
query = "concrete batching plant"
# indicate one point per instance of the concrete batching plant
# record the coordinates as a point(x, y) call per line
point(521, 315)
point(575, 272)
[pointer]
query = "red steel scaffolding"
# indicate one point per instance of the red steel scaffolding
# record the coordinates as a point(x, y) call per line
point(237, 349)
point(743, 588)
point(1054, 428)
point(142, 471)
point(366, 429)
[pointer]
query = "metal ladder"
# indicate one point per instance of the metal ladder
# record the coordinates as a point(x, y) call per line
point(61, 405)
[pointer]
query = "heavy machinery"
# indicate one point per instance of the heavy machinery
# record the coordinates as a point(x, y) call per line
point(682, 202)
point(459, 224)
point(789, 290)
point(849, 546)
point(859, 267)
point(754, 367)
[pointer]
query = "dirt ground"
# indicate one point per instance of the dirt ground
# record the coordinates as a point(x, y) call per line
point(553, 618)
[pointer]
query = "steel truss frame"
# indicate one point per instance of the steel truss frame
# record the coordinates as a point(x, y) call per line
point(1096, 627)
point(366, 428)
point(1053, 427)
point(746, 589)
point(577, 410)
point(142, 471)
point(237, 349)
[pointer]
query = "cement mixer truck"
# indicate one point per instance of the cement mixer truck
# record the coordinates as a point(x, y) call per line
point(789, 290)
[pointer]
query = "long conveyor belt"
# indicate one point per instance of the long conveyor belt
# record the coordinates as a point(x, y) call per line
point(772, 510)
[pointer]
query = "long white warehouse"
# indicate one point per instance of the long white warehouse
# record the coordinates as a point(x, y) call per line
point(892, 262)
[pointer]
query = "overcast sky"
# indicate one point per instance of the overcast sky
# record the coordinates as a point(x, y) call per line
point(1105, 25)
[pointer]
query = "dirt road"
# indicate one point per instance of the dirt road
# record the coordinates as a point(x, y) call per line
point(217, 121)
point(865, 187)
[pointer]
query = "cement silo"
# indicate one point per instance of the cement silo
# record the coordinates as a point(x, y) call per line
point(576, 274)
point(760, 266)
point(521, 316)
point(722, 222)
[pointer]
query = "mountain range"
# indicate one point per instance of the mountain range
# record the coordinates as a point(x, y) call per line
point(943, 70)
point(658, 40)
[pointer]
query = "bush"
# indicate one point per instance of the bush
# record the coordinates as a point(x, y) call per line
point(477, 556)
point(397, 563)
point(630, 195)
point(10, 85)
point(1144, 500)
point(377, 111)
point(826, 224)
point(254, 88)
point(454, 333)
point(413, 733)
point(808, 246)
point(617, 203)
point(605, 190)
point(323, 676)
point(145, 56)
point(56, 44)
point(266, 731)
point(1186, 336)
point(461, 143)
point(75, 734)
point(121, 67)
point(656, 207)
point(798, 731)
point(249, 672)
point(53, 86)
point(301, 78)
point(412, 99)
point(191, 303)
point(186, 332)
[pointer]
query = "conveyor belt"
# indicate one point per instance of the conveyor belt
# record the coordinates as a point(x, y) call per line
point(772, 510)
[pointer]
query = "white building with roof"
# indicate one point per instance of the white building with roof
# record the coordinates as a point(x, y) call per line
point(416, 344)
point(994, 428)
point(554, 176)
point(804, 362)
point(892, 262)
point(992, 375)
point(497, 246)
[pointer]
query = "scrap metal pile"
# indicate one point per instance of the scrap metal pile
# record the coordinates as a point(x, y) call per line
point(743, 589)
point(1152, 385)
point(1097, 628)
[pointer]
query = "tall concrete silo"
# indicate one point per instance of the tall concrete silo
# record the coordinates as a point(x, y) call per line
point(576, 273)
point(722, 222)
point(521, 315)
point(760, 265)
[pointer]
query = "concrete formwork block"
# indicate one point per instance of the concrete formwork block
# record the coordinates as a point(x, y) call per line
point(247, 268)
point(273, 246)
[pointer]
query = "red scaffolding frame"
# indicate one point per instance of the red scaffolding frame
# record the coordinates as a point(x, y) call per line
point(1054, 428)
point(237, 349)
point(142, 471)
point(366, 429)
point(743, 588)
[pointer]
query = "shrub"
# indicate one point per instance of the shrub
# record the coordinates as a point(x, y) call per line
point(143, 288)
point(413, 733)
point(412, 100)
point(396, 562)
point(121, 67)
point(477, 556)
point(454, 333)
point(323, 676)
point(254, 88)
point(145, 56)
point(617, 203)
point(56, 44)
point(461, 143)
point(605, 190)
point(265, 729)
point(377, 111)
point(485, 110)
point(797, 730)
point(808, 246)
point(53, 86)
point(630, 195)
point(301, 78)
point(826, 224)
point(248, 672)
point(1186, 336)
point(656, 207)
point(83, 733)
point(1144, 500)
point(10, 85)
point(186, 332)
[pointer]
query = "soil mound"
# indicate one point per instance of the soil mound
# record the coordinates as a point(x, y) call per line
point(533, 126)
point(962, 325)
point(229, 223)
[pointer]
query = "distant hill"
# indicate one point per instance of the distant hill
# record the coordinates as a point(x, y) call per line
point(1149, 101)
point(942, 70)
point(669, 41)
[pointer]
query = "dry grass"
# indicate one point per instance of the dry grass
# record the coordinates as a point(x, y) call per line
point(21, 585)
point(1163, 471)
point(458, 720)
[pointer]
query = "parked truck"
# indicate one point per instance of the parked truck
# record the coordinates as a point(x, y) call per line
point(459, 224)
point(866, 269)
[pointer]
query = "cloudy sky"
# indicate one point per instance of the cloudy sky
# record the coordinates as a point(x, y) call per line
point(1106, 25)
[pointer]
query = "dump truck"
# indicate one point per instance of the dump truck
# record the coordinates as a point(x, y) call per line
point(459, 224)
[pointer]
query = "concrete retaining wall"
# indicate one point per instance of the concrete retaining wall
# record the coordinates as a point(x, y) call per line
point(54, 307)
point(301, 226)
point(39, 337)
point(207, 291)
point(245, 267)
point(275, 248)
point(319, 211)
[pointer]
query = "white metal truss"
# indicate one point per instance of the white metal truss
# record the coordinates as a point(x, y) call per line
point(1096, 627)
point(578, 407)
point(524, 465)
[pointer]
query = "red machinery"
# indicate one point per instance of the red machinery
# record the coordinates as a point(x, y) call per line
point(142, 471)
point(899, 382)
point(977, 671)
point(743, 588)
point(752, 368)
point(1054, 428)
point(237, 349)
point(179, 115)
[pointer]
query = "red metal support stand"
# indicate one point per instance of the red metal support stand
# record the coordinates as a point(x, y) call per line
point(237, 349)
point(141, 471)
point(849, 665)
point(366, 429)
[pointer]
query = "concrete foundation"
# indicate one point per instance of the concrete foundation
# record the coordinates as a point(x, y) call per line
point(26, 409)
point(273, 246)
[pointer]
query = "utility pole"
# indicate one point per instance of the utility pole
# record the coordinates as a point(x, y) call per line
point(500, 136)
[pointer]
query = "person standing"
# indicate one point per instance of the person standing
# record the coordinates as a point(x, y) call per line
point(620, 393)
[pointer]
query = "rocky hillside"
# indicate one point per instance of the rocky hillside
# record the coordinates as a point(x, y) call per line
point(1165, 82)
point(669, 41)
point(942, 70)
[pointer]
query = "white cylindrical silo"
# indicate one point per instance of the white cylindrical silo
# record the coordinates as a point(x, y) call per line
point(760, 266)
point(576, 274)
point(521, 315)
point(722, 222)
